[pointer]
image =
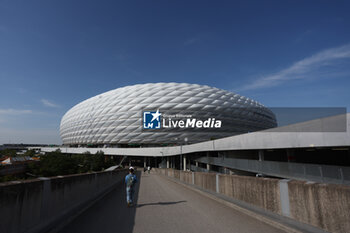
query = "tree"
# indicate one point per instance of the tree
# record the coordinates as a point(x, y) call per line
point(97, 162)
point(8, 152)
point(54, 164)
point(83, 161)
point(29, 153)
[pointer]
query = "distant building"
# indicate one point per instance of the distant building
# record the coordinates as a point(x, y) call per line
point(162, 113)
point(15, 165)
point(16, 160)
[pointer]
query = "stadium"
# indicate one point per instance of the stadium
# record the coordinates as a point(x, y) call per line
point(206, 129)
point(162, 113)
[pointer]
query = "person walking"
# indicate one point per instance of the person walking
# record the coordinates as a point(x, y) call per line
point(148, 169)
point(130, 181)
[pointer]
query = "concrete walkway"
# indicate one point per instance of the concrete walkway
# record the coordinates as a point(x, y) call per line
point(163, 206)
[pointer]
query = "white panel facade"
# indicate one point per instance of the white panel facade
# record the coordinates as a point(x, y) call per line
point(115, 117)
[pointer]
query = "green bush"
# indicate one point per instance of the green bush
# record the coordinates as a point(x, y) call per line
point(56, 163)
point(53, 164)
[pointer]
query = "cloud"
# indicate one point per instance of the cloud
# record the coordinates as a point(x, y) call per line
point(302, 69)
point(48, 103)
point(11, 111)
point(4, 113)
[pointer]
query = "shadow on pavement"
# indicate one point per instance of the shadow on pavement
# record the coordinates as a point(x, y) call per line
point(160, 203)
point(110, 214)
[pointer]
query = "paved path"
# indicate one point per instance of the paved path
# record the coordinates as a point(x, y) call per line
point(164, 206)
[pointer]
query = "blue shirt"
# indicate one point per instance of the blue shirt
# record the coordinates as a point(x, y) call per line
point(129, 177)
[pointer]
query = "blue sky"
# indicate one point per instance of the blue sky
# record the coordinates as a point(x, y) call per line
point(54, 54)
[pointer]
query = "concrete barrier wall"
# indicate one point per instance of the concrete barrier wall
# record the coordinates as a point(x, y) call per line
point(326, 206)
point(260, 192)
point(171, 172)
point(323, 205)
point(176, 174)
point(40, 204)
point(186, 177)
point(18, 200)
point(163, 171)
point(205, 180)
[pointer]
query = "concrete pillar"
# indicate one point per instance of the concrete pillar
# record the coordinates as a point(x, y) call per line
point(208, 166)
point(144, 162)
point(184, 162)
point(261, 155)
point(167, 162)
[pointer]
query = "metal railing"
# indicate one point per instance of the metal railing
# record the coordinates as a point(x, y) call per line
point(301, 171)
